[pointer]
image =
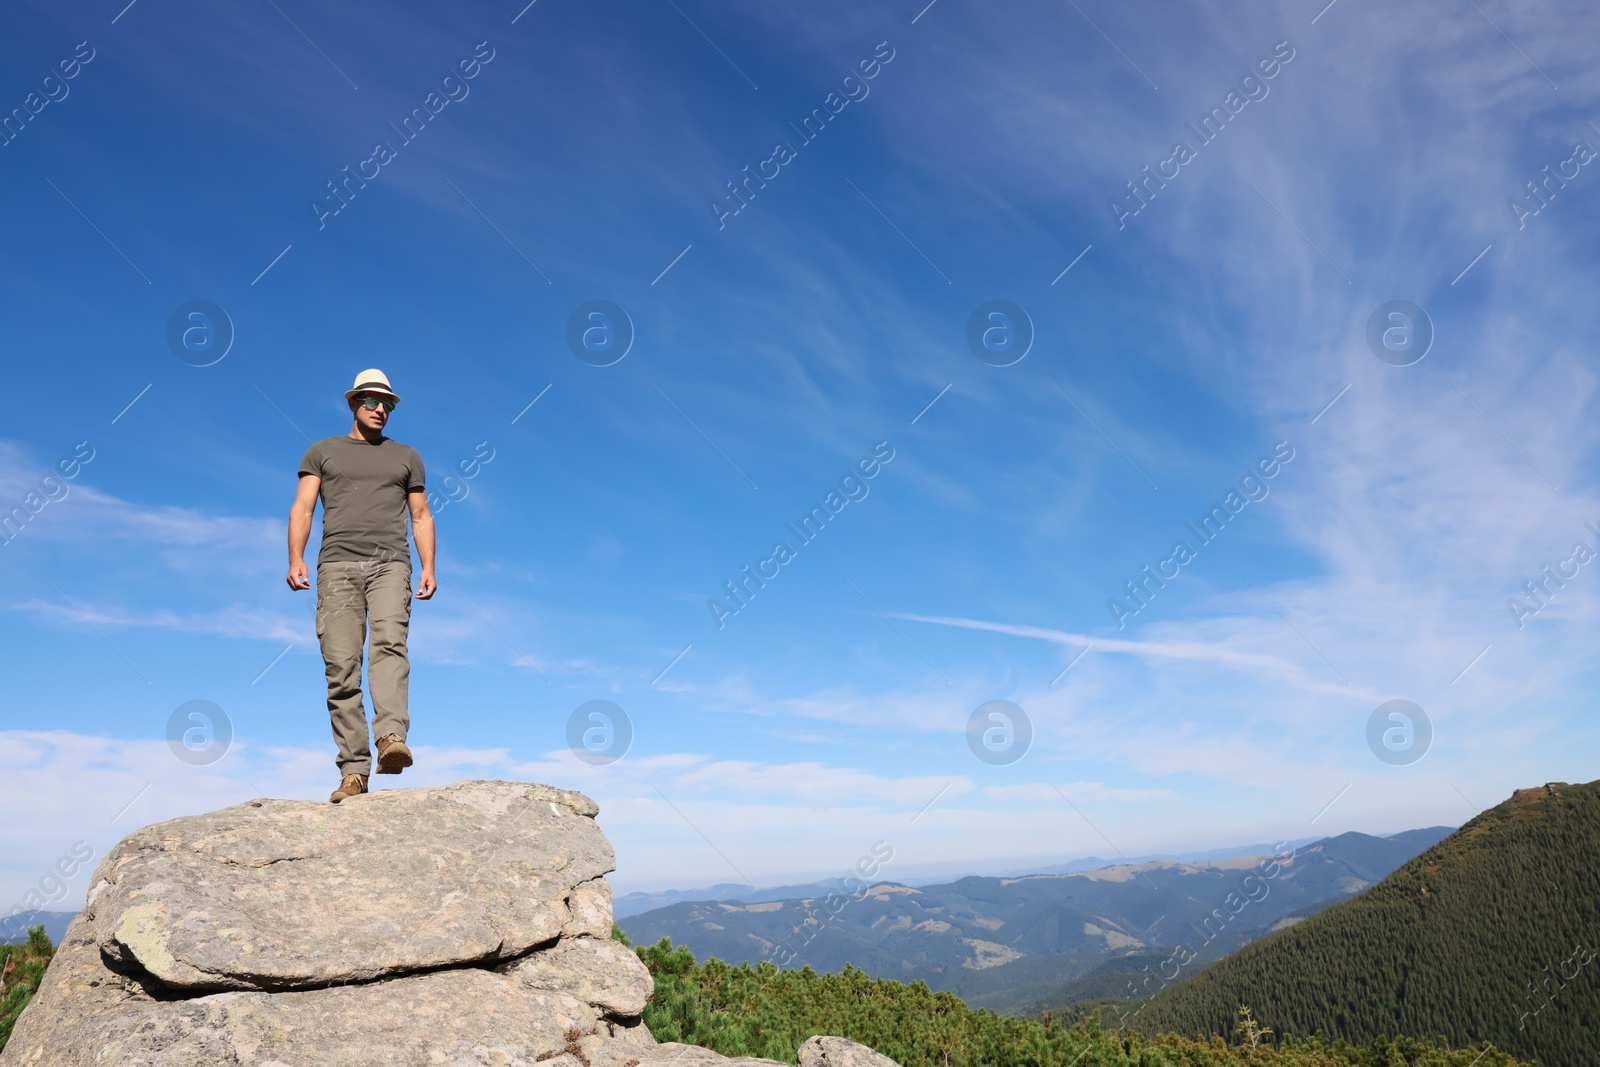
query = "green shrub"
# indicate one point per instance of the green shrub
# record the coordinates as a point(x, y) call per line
point(768, 1012)
point(23, 968)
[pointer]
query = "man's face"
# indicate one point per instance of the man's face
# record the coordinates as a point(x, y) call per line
point(372, 418)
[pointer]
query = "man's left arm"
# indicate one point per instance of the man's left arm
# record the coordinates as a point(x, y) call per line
point(422, 533)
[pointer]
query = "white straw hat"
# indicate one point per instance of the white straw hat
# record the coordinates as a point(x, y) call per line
point(372, 381)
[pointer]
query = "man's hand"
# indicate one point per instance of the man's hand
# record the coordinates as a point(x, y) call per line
point(426, 585)
point(297, 576)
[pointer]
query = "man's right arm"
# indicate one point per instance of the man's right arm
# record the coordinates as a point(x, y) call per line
point(301, 513)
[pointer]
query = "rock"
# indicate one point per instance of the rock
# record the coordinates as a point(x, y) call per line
point(456, 926)
point(282, 894)
point(813, 1052)
point(839, 1052)
point(466, 1016)
point(590, 905)
point(673, 1054)
point(603, 973)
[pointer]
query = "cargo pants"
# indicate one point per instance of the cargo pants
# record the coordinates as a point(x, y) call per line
point(353, 598)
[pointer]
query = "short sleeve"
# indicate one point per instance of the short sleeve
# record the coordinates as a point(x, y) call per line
point(418, 477)
point(311, 462)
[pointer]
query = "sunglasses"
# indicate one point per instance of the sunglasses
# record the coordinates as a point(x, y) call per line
point(372, 403)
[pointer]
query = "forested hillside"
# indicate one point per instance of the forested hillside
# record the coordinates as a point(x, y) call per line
point(1491, 935)
point(762, 1011)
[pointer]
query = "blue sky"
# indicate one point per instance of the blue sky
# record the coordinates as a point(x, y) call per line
point(773, 349)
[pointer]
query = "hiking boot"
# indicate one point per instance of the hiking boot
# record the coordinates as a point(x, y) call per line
point(351, 785)
point(393, 755)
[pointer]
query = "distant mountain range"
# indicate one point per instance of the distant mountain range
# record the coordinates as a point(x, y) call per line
point(15, 928)
point(1491, 935)
point(1010, 942)
point(638, 902)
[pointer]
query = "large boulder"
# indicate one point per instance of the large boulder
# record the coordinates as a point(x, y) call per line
point(462, 925)
point(283, 894)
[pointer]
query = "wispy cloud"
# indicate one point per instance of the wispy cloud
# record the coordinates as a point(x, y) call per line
point(234, 622)
point(1195, 652)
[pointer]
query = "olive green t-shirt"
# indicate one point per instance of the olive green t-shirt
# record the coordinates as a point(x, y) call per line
point(363, 495)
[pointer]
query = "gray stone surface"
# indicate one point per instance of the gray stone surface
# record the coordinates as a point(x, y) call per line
point(459, 926)
point(673, 1054)
point(282, 894)
point(590, 908)
point(604, 973)
point(839, 1052)
point(813, 1052)
point(85, 1015)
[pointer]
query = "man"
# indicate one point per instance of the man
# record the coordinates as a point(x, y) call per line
point(366, 482)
